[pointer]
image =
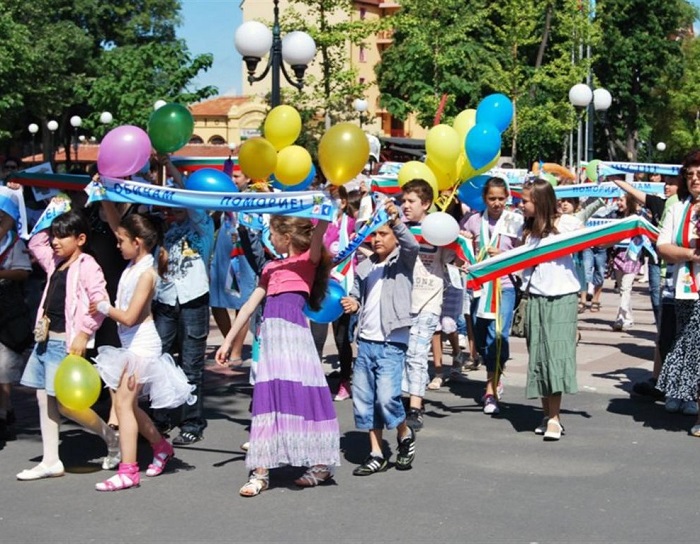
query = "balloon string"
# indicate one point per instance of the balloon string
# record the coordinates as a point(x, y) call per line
point(444, 202)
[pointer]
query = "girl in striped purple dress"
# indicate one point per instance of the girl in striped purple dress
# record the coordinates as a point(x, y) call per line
point(293, 418)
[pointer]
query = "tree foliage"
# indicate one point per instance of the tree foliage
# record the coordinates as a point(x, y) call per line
point(81, 57)
point(641, 47)
point(534, 51)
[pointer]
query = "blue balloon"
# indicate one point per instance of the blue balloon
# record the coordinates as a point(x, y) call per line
point(210, 180)
point(302, 185)
point(331, 308)
point(482, 144)
point(496, 110)
point(470, 193)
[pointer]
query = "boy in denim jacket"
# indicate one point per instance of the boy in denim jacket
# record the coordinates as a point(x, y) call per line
point(382, 295)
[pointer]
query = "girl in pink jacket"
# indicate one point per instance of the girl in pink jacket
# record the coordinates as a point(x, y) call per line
point(75, 281)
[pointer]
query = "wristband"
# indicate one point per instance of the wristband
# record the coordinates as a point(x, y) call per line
point(103, 307)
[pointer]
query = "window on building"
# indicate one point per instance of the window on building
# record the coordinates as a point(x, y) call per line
point(363, 13)
point(362, 54)
point(196, 140)
point(217, 140)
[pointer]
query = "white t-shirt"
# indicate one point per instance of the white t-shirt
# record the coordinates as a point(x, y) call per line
point(558, 277)
point(371, 318)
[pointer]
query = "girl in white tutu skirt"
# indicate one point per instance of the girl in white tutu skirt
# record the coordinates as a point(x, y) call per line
point(139, 367)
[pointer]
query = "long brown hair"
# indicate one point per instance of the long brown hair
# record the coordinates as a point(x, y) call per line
point(544, 200)
point(150, 230)
point(300, 231)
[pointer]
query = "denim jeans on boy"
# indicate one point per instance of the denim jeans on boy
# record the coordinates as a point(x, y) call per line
point(188, 324)
point(376, 385)
point(485, 332)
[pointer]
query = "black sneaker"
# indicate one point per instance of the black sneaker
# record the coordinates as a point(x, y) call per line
point(407, 452)
point(648, 389)
point(371, 465)
point(414, 419)
point(185, 438)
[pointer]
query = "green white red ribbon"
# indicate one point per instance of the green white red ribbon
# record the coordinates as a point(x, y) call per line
point(553, 247)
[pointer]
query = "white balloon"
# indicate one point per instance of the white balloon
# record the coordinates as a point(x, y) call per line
point(159, 104)
point(440, 229)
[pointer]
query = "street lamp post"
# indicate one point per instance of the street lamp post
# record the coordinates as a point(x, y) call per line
point(580, 95)
point(75, 122)
point(53, 127)
point(361, 105)
point(253, 40)
point(602, 99)
point(33, 129)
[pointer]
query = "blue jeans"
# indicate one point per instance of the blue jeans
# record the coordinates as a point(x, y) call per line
point(595, 261)
point(485, 332)
point(655, 289)
point(183, 330)
point(376, 385)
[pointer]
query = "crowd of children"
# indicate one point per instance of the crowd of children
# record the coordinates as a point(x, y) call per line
point(403, 301)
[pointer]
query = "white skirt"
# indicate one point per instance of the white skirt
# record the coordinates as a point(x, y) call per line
point(163, 381)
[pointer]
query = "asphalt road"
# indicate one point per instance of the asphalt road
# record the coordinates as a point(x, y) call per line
point(624, 472)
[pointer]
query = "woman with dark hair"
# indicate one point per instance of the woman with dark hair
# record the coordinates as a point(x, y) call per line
point(678, 244)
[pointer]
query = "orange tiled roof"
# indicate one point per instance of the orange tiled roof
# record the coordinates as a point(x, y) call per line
point(220, 105)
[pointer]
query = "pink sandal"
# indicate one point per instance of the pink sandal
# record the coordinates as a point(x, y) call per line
point(162, 453)
point(127, 476)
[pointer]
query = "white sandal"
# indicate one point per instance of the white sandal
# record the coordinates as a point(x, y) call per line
point(255, 485)
point(436, 383)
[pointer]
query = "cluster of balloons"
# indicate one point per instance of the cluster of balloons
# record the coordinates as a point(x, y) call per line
point(77, 383)
point(126, 149)
point(276, 155)
point(457, 153)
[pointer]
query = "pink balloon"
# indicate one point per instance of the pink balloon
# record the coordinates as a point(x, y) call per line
point(123, 151)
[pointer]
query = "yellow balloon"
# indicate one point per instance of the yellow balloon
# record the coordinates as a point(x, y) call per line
point(417, 170)
point(343, 152)
point(443, 146)
point(77, 383)
point(466, 170)
point(282, 126)
point(445, 178)
point(293, 165)
point(257, 158)
point(463, 123)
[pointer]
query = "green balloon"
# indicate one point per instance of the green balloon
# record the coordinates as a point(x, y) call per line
point(170, 127)
point(592, 170)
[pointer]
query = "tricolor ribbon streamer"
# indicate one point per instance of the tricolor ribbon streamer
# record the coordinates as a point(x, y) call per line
point(553, 247)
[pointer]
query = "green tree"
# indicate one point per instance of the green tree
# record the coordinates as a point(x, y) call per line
point(439, 49)
point(641, 48)
point(71, 48)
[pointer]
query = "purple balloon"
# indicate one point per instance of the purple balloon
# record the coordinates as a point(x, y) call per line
point(123, 151)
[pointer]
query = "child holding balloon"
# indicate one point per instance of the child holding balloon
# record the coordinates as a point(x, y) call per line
point(139, 367)
point(293, 419)
point(75, 281)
